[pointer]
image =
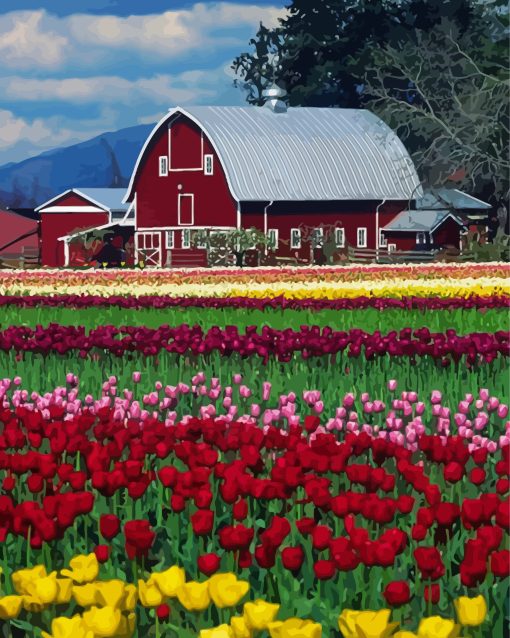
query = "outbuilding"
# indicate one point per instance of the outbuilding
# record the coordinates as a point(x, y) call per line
point(70, 215)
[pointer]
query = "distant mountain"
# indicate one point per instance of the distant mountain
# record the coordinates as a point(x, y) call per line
point(104, 161)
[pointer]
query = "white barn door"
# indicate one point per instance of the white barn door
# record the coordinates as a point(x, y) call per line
point(148, 248)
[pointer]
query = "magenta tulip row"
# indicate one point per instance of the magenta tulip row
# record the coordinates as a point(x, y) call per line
point(155, 301)
point(309, 341)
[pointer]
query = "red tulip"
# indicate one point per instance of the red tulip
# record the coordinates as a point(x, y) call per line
point(432, 593)
point(500, 563)
point(397, 593)
point(163, 612)
point(139, 538)
point(202, 522)
point(102, 553)
point(292, 558)
point(324, 569)
point(208, 564)
point(109, 526)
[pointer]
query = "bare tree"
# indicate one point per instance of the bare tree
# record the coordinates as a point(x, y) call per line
point(450, 102)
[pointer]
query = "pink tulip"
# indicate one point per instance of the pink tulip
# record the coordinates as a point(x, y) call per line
point(493, 404)
point(392, 385)
point(484, 394)
point(502, 410)
point(255, 409)
point(137, 376)
point(266, 391)
point(436, 396)
point(319, 407)
point(237, 379)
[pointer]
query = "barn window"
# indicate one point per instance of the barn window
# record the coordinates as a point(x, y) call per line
point(295, 238)
point(169, 238)
point(272, 235)
point(317, 237)
point(339, 237)
point(208, 165)
point(186, 238)
point(382, 238)
point(163, 166)
point(201, 239)
point(392, 248)
point(421, 238)
point(362, 237)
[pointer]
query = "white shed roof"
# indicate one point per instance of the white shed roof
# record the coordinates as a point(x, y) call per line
point(303, 154)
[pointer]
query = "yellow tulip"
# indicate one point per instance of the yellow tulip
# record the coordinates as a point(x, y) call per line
point(471, 611)
point(405, 634)
point(128, 602)
point(150, 595)
point(240, 628)
point(295, 628)
point(85, 595)
point(437, 627)
point(259, 614)
point(68, 628)
point(194, 596)
point(10, 606)
point(169, 581)
point(127, 626)
point(23, 578)
point(84, 568)
point(103, 622)
point(64, 590)
point(110, 592)
point(226, 590)
point(222, 631)
point(46, 589)
point(32, 604)
point(366, 624)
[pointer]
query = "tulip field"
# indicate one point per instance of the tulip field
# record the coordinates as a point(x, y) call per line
point(270, 453)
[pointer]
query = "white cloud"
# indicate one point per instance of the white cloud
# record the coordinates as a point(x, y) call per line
point(25, 41)
point(37, 39)
point(161, 89)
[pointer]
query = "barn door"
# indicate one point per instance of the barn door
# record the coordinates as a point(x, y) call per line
point(148, 248)
point(186, 208)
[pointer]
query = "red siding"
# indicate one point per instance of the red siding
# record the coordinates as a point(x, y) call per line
point(157, 197)
point(349, 215)
point(71, 199)
point(55, 225)
point(447, 234)
point(13, 226)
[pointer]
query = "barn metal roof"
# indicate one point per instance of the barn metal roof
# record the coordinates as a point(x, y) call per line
point(303, 154)
point(451, 197)
point(419, 220)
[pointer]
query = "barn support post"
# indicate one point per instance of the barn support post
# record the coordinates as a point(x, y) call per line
point(66, 251)
point(377, 230)
point(265, 223)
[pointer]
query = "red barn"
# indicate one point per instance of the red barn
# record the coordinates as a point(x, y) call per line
point(423, 230)
point(69, 214)
point(268, 167)
point(19, 238)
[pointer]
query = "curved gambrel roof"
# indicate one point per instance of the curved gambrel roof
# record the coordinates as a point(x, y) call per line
point(303, 154)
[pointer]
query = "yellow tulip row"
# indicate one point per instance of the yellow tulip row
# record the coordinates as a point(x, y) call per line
point(110, 606)
point(311, 287)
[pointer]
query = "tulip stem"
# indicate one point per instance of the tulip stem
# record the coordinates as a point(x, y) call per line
point(158, 634)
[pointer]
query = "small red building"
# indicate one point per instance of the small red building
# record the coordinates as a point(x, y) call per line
point(19, 238)
point(423, 230)
point(272, 168)
point(71, 214)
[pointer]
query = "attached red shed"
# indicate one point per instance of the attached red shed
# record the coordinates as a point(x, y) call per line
point(19, 238)
point(423, 230)
point(277, 169)
point(72, 212)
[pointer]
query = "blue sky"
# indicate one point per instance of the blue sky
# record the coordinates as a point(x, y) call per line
point(72, 69)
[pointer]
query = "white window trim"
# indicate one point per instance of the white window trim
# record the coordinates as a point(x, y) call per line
point(340, 232)
point(364, 243)
point(192, 209)
point(186, 245)
point(181, 170)
point(163, 165)
point(383, 242)
point(298, 231)
point(169, 239)
point(392, 248)
point(421, 238)
point(208, 157)
point(275, 231)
